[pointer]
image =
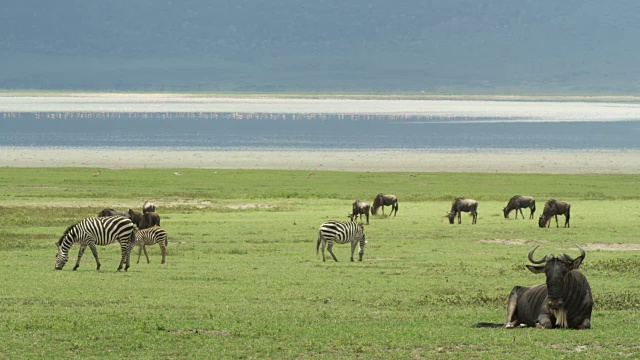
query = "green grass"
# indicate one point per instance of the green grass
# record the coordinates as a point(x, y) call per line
point(242, 278)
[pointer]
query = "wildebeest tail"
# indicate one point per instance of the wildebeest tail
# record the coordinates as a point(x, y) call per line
point(487, 325)
point(533, 207)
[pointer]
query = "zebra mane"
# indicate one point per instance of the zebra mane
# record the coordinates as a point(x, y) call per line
point(66, 232)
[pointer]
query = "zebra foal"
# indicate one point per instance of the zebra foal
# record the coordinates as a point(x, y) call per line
point(341, 233)
point(151, 236)
point(97, 231)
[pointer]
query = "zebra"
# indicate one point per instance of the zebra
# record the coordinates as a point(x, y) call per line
point(97, 231)
point(342, 233)
point(151, 236)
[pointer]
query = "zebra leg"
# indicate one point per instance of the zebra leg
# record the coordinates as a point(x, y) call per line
point(144, 248)
point(94, 251)
point(163, 249)
point(330, 248)
point(124, 260)
point(353, 249)
point(361, 251)
point(80, 252)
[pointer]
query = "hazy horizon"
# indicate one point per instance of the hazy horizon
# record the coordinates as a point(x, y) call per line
point(437, 47)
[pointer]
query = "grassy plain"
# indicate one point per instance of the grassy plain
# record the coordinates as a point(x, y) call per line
point(242, 278)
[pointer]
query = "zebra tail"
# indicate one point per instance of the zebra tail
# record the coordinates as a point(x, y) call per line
point(319, 240)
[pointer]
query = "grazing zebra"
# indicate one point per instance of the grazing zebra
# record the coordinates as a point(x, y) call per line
point(342, 233)
point(97, 231)
point(151, 236)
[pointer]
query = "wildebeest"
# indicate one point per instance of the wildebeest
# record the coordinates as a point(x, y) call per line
point(383, 200)
point(554, 208)
point(360, 208)
point(459, 205)
point(148, 207)
point(144, 221)
point(111, 212)
point(564, 301)
point(518, 202)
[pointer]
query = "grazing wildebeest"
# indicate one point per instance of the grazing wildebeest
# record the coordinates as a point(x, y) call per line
point(144, 221)
point(459, 205)
point(564, 301)
point(111, 212)
point(360, 208)
point(518, 202)
point(341, 233)
point(383, 200)
point(554, 208)
point(148, 206)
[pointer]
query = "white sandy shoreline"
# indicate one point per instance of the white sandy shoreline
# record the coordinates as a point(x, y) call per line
point(495, 161)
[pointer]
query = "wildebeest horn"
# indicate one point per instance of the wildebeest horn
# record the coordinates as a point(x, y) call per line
point(582, 254)
point(544, 259)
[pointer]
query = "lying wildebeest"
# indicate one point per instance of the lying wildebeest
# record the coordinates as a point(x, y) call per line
point(459, 205)
point(554, 208)
point(360, 208)
point(564, 301)
point(111, 212)
point(518, 202)
point(148, 206)
point(383, 200)
point(144, 221)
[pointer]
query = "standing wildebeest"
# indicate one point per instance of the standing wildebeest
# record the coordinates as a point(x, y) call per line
point(383, 200)
point(554, 208)
point(518, 202)
point(144, 221)
point(564, 301)
point(459, 205)
point(360, 208)
point(148, 206)
point(342, 233)
point(111, 212)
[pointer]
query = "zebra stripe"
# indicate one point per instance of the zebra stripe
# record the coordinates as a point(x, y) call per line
point(97, 231)
point(151, 236)
point(341, 233)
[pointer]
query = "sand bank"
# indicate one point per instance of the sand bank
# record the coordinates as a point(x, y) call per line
point(556, 162)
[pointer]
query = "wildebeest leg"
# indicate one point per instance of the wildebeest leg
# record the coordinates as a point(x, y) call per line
point(330, 248)
point(512, 307)
point(557, 221)
point(544, 321)
point(80, 252)
point(367, 217)
point(585, 324)
point(520, 213)
point(567, 216)
point(459, 217)
point(475, 217)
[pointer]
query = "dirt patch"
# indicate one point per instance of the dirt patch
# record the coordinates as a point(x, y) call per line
point(250, 206)
point(201, 331)
point(612, 247)
point(505, 241)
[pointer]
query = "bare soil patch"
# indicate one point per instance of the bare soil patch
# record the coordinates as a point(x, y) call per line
point(505, 241)
point(613, 247)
